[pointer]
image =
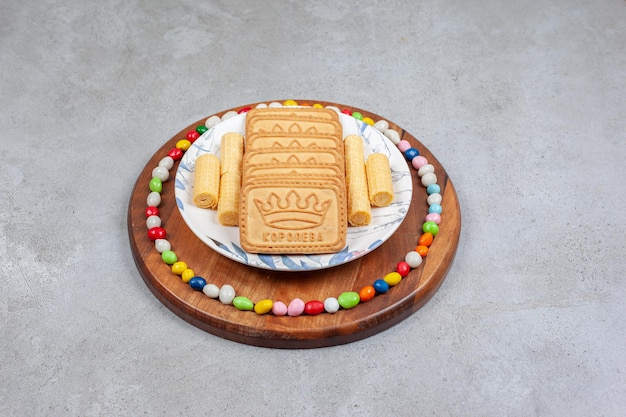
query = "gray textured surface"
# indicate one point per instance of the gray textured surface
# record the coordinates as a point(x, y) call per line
point(523, 103)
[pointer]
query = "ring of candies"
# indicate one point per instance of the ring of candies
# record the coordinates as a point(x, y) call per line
point(227, 295)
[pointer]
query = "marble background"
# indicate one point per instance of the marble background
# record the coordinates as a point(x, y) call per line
point(522, 102)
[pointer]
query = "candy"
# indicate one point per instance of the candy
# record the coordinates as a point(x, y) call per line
point(227, 294)
point(279, 308)
point(413, 259)
point(381, 125)
point(433, 217)
point(425, 239)
point(434, 198)
point(161, 173)
point(435, 208)
point(348, 299)
point(403, 145)
point(153, 221)
point(429, 179)
point(201, 129)
point(211, 290)
point(392, 278)
point(419, 161)
point(425, 170)
point(331, 305)
point(263, 306)
point(244, 110)
point(290, 103)
point(212, 121)
point(313, 307)
point(192, 135)
point(155, 233)
point(367, 293)
point(403, 269)
point(197, 283)
point(430, 227)
point(295, 307)
point(357, 115)
point(229, 114)
point(166, 162)
point(243, 303)
point(433, 189)
point(152, 211)
point(154, 199)
point(175, 154)
point(393, 136)
point(161, 245)
point(179, 267)
point(156, 185)
point(368, 120)
point(411, 153)
point(187, 275)
point(183, 144)
point(169, 257)
point(422, 250)
point(380, 286)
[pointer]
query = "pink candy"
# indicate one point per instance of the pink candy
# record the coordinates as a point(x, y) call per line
point(295, 307)
point(433, 217)
point(419, 161)
point(279, 308)
point(403, 145)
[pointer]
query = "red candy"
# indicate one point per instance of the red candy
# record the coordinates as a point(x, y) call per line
point(152, 211)
point(313, 307)
point(347, 111)
point(175, 154)
point(192, 135)
point(403, 269)
point(244, 110)
point(156, 233)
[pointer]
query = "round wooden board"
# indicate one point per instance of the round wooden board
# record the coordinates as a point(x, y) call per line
point(304, 331)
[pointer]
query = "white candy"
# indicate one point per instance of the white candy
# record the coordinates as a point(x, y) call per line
point(229, 114)
point(261, 106)
point(434, 198)
point(381, 125)
point(275, 104)
point(161, 173)
point(212, 121)
point(392, 135)
point(154, 199)
point(413, 258)
point(167, 162)
point(429, 179)
point(331, 305)
point(227, 294)
point(153, 221)
point(211, 290)
point(161, 245)
point(425, 170)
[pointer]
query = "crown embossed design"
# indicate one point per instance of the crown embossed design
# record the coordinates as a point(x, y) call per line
point(293, 212)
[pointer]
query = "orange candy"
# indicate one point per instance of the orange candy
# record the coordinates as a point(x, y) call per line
point(367, 293)
point(425, 240)
point(422, 250)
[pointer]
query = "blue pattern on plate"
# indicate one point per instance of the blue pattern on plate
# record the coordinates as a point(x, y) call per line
point(267, 260)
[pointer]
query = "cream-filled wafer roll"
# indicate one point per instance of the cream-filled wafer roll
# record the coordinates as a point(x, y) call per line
point(359, 210)
point(380, 186)
point(206, 183)
point(228, 206)
point(231, 152)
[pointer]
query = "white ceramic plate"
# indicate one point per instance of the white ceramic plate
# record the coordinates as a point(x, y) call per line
point(360, 240)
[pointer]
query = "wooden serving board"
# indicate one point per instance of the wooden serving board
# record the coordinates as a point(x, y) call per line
point(304, 331)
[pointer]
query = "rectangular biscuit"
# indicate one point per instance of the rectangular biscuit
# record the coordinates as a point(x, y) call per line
point(293, 216)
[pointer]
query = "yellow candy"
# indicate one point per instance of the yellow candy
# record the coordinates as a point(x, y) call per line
point(183, 144)
point(318, 106)
point(368, 121)
point(290, 103)
point(392, 278)
point(263, 306)
point(179, 267)
point(187, 275)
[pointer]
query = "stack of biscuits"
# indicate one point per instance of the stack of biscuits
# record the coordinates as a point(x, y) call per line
point(293, 189)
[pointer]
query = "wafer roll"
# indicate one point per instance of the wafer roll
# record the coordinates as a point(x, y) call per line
point(380, 186)
point(206, 181)
point(231, 152)
point(228, 206)
point(359, 210)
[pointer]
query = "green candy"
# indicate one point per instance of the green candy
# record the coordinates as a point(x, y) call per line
point(243, 303)
point(169, 257)
point(156, 185)
point(349, 299)
point(431, 227)
point(201, 129)
point(357, 115)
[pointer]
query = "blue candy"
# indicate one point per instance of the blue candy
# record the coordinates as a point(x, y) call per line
point(197, 283)
point(380, 286)
point(433, 189)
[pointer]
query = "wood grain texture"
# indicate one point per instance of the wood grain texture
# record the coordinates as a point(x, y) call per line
point(345, 326)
